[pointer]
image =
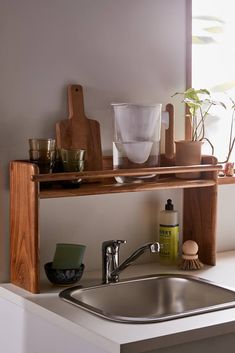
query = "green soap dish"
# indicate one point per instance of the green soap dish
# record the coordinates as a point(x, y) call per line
point(68, 256)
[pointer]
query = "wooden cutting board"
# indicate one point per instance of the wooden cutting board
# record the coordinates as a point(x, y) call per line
point(80, 132)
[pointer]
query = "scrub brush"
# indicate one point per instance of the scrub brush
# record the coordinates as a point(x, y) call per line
point(190, 260)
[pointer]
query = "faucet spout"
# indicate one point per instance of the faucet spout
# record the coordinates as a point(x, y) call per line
point(110, 254)
point(152, 247)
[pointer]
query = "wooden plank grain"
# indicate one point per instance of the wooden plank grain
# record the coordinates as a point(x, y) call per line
point(113, 188)
point(100, 174)
point(24, 253)
point(199, 210)
point(199, 220)
point(226, 180)
point(80, 132)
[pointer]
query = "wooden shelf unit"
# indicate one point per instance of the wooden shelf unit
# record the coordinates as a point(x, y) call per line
point(226, 180)
point(199, 207)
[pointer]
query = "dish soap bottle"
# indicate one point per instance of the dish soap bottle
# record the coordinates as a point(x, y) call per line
point(169, 235)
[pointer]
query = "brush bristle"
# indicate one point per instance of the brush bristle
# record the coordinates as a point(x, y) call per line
point(190, 265)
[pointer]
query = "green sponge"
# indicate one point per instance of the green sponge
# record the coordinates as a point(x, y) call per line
point(68, 256)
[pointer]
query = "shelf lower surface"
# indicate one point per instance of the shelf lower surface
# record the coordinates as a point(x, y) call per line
point(54, 190)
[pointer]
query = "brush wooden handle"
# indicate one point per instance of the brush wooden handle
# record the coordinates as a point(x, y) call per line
point(169, 134)
point(189, 257)
point(190, 247)
point(190, 250)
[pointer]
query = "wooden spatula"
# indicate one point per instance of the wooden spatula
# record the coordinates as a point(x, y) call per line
point(79, 132)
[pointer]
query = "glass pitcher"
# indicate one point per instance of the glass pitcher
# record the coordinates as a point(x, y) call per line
point(137, 132)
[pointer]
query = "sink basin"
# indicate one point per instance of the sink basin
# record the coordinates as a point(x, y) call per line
point(151, 299)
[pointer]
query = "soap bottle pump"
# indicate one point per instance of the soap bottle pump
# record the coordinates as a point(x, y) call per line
point(169, 234)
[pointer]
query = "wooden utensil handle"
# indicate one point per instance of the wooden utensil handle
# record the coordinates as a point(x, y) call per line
point(76, 103)
point(169, 134)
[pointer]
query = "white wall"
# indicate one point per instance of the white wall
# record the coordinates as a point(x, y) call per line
point(125, 50)
point(91, 220)
point(225, 223)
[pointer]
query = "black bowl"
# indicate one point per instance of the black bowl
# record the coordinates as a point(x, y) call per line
point(63, 277)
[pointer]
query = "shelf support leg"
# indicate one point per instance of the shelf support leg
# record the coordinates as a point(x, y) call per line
point(24, 232)
point(199, 221)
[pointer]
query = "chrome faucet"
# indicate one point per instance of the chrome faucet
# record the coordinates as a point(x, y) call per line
point(110, 258)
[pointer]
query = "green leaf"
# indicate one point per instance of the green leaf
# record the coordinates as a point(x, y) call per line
point(209, 18)
point(214, 29)
point(202, 40)
point(225, 86)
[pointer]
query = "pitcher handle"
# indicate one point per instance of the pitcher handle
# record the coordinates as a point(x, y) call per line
point(169, 133)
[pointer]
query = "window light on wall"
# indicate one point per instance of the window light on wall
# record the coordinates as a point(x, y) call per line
point(213, 66)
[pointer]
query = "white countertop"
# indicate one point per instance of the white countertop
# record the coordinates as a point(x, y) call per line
point(117, 337)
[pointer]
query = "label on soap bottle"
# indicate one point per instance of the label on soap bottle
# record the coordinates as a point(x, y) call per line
point(169, 243)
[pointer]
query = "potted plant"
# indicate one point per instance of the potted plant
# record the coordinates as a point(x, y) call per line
point(188, 152)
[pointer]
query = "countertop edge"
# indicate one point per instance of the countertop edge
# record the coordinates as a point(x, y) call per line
point(115, 337)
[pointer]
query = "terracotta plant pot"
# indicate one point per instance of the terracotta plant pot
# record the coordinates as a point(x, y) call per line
point(188, 153)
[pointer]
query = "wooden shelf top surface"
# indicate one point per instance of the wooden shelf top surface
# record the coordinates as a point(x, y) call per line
point(99, 188)
point(101, 174)
point(103, 181)
point(226, 180)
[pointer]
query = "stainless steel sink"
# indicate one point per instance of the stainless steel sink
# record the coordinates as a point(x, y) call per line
point(151, 299)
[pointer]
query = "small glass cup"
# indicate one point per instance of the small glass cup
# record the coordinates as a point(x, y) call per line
point(72, 161)
point(42, 144)
point(43, 152)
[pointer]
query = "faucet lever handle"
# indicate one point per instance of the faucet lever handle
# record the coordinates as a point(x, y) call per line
point(120, 241)
point(112, 244)
point(110, 258)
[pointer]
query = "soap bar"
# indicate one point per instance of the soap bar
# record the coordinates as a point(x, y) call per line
point(68, 256)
